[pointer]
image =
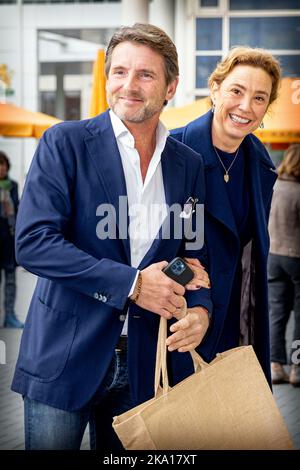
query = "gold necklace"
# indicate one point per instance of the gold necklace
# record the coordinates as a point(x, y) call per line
point(226, 175)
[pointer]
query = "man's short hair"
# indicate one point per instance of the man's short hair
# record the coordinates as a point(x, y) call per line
point(151, 36)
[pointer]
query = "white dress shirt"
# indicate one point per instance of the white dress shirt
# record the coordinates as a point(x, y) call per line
point(146, 200)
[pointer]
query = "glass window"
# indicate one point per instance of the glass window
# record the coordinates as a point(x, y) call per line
point(270, 33)
point(204, 67)
point(47, 102)
point(290, 65)
point(72, 105)
point(208, 34)
point(263, 5)
point(208, 3)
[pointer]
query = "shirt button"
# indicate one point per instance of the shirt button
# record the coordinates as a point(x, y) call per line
point(104, 299)
point(122, 317)
point(96, 296)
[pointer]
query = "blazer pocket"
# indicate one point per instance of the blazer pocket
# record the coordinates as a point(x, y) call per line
point(46, 342)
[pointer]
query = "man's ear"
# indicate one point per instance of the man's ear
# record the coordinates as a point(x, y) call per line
point(172, 89)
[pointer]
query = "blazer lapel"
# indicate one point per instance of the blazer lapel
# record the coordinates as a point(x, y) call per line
point(103, 150)
point(173, 170)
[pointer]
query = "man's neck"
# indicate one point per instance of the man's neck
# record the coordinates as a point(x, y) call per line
point(144, 134)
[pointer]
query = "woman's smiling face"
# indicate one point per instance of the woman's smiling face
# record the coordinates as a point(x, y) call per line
point(240, 101)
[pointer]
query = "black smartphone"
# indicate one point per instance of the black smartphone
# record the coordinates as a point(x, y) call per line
point(179, 271)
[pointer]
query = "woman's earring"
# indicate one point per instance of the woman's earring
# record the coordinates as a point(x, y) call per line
point(213, 108)
point(262, 126)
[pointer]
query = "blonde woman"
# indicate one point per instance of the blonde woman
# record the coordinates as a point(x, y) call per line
point(239, 184)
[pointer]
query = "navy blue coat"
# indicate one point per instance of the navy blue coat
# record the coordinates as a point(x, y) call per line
point(223, 243)
point(80, 301)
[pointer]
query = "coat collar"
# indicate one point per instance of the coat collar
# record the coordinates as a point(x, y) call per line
point(100, 140)
point(260, 168)
point(198, 133)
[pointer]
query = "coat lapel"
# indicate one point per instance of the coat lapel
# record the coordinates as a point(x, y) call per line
point(262, 179)
point(103, 150)
point(216, 202)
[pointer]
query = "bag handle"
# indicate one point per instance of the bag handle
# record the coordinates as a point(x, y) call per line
point(161, 356)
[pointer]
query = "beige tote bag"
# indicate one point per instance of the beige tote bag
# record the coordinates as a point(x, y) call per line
point(226, 404)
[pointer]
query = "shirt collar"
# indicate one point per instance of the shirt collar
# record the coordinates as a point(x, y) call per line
point(123, 134)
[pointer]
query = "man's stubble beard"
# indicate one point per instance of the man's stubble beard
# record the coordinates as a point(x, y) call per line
point(141, 115)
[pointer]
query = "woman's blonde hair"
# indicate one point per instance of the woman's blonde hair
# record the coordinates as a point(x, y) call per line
point(291, 162)
point(241, 55)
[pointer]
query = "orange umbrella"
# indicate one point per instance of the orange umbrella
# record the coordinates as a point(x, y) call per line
point(18, 122)
point(281, 123)
point(179, 117)
point(98, 102)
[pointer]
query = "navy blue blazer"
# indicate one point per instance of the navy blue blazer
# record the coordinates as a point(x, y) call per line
point(224, 247)
point(80, 301)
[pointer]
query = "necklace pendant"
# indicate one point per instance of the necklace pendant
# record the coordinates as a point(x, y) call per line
point(226, 177)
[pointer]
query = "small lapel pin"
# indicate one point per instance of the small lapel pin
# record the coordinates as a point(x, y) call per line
point(188, 208)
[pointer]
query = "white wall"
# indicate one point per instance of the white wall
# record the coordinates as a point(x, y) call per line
point(19, 26)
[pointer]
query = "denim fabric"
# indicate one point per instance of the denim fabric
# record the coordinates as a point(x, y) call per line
point(48, 428)
point(284, 296)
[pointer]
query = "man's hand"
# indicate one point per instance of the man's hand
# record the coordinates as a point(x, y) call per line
point(159, 293)
point(201, 278)
point(189, 331)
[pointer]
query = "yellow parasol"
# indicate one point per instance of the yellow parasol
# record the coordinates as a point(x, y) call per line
point(98, 102)
point(18, 122)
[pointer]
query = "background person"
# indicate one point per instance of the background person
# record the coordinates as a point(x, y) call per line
point(284, 263)
point(9, 202)
point(239, 184)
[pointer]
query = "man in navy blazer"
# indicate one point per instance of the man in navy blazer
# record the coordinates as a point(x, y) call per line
point(94, 281)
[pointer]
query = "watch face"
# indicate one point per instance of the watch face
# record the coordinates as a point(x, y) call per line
point(178, 267)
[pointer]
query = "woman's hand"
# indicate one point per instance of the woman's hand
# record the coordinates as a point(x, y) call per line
point(189, 331)
point(201, 278)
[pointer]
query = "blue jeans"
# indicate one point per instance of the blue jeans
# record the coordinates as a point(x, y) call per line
point(48, 428)
point(284, 296)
